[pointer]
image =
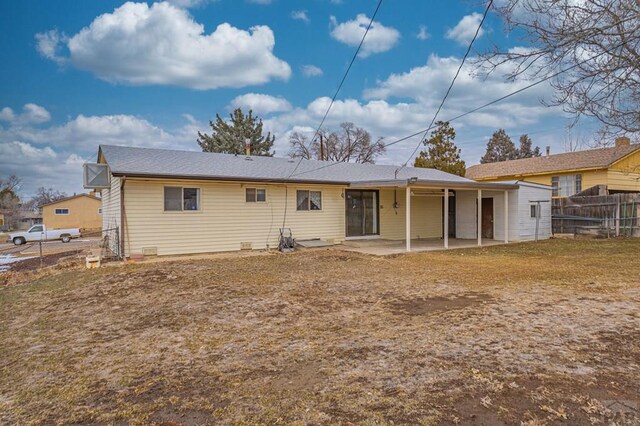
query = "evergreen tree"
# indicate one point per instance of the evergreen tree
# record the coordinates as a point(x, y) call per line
point(442, 153)
point(526, 149)
point(230, 137)
point(499, 148)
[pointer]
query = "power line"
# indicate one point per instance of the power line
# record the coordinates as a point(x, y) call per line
point(495, 101)
point(333, 99)
point(344, 77)
point(455, 77)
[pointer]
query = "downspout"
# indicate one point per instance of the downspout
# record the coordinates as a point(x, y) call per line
point(124, 178)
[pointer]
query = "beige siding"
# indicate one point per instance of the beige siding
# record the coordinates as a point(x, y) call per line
point(623, 180)
point(83, 213)
point(426, 215)
point(225, 219)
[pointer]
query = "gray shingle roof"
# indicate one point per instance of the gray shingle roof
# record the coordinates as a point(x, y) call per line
point(131, 161)
point(592, 158)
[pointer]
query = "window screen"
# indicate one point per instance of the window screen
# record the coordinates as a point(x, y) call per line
point(62, 211)
point(302, 200)
point(190, 196)
point(172, 198)
point(534, 210)
point(315, 198)
point(261, 195)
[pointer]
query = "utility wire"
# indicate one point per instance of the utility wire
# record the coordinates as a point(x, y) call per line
point(455, 77)
point(495, 101)
point(333, 99)
point(344, 77)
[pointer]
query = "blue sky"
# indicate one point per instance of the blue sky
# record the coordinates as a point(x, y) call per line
point(79, 73)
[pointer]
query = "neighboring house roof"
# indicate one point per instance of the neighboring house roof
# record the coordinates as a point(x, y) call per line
point(147, 162)
point(62, 200)
point(590, 159)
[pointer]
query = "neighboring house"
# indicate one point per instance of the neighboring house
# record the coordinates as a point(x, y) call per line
point(1, 219)
point(617, 168)
point(79, 211)
point(177, 202)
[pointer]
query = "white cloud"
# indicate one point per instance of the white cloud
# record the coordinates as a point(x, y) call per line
point(311, 71)
point(161, 44)
point(379, 39)
point(31, 114)
point(464, 31)
point(260, 104)
point(49, 43)
point(423, 34)
point(53, 156)
point(300, 15)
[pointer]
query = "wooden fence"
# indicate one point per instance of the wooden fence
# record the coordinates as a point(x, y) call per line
point(604, 215)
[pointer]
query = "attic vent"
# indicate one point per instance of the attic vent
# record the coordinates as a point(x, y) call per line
point(246, 245)
point(96, 176)
point(150, 251)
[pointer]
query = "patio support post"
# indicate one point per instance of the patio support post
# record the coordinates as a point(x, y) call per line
point(446, 218)
point(408, 218)
point(506, 217)
point(479, 217)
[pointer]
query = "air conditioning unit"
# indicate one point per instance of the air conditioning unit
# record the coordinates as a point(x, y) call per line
point(96, 176)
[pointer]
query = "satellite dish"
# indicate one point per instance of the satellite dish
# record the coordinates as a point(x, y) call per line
point(96, 176)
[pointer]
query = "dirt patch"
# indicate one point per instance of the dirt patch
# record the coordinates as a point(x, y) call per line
point(46, 260)
point(522, 334)
point(430, 305)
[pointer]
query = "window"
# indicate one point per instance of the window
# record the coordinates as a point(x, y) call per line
point(62, 211)
point(309, 200)
point(178, 199)
point(100, 210)
point(256, 195)
point(534, 211)
point(566, 185)
point(36, 229)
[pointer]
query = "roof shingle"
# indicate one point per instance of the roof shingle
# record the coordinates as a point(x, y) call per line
point(589, 159)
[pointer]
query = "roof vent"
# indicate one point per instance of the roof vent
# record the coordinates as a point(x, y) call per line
point(548, 150)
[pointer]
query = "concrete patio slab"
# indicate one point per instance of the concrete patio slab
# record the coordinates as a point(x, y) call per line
point(381, 247)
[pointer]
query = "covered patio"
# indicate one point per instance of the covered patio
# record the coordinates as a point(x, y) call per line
point(380, 247)
point(480, 213)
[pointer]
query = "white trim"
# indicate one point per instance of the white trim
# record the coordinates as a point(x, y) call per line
point(479, 218)
point(506, 217)
point(363, 237)
point(445, 200)
point(408, 218)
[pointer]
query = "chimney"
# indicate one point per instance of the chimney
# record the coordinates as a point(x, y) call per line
point(247, 147)
point(622, 141)
point(548, 150)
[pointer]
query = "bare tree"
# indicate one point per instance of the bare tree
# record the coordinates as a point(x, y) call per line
point(599, 40)
point(351, 144)
point(45, 196)
point(9, 200)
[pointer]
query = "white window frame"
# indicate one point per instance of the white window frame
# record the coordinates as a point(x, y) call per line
point(182, 210)
point(533, 211)
point(309, 209)
point(255, 198)
point(55, 211)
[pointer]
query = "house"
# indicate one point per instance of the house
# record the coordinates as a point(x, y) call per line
point(617, 168)
point(169, 202)
point(82, 211)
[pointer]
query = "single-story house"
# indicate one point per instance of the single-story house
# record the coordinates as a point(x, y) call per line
point(617, 168)
point(82, 211)
point(169, 202)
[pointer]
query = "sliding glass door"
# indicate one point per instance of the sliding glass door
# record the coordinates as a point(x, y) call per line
point(362, 213)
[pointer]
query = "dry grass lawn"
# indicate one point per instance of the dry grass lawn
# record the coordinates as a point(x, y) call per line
point(536, 333)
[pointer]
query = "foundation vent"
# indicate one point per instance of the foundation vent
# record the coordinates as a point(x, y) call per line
point(149, 251)
point(246, 245)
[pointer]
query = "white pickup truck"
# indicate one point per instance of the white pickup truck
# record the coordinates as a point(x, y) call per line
point(41, 233)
